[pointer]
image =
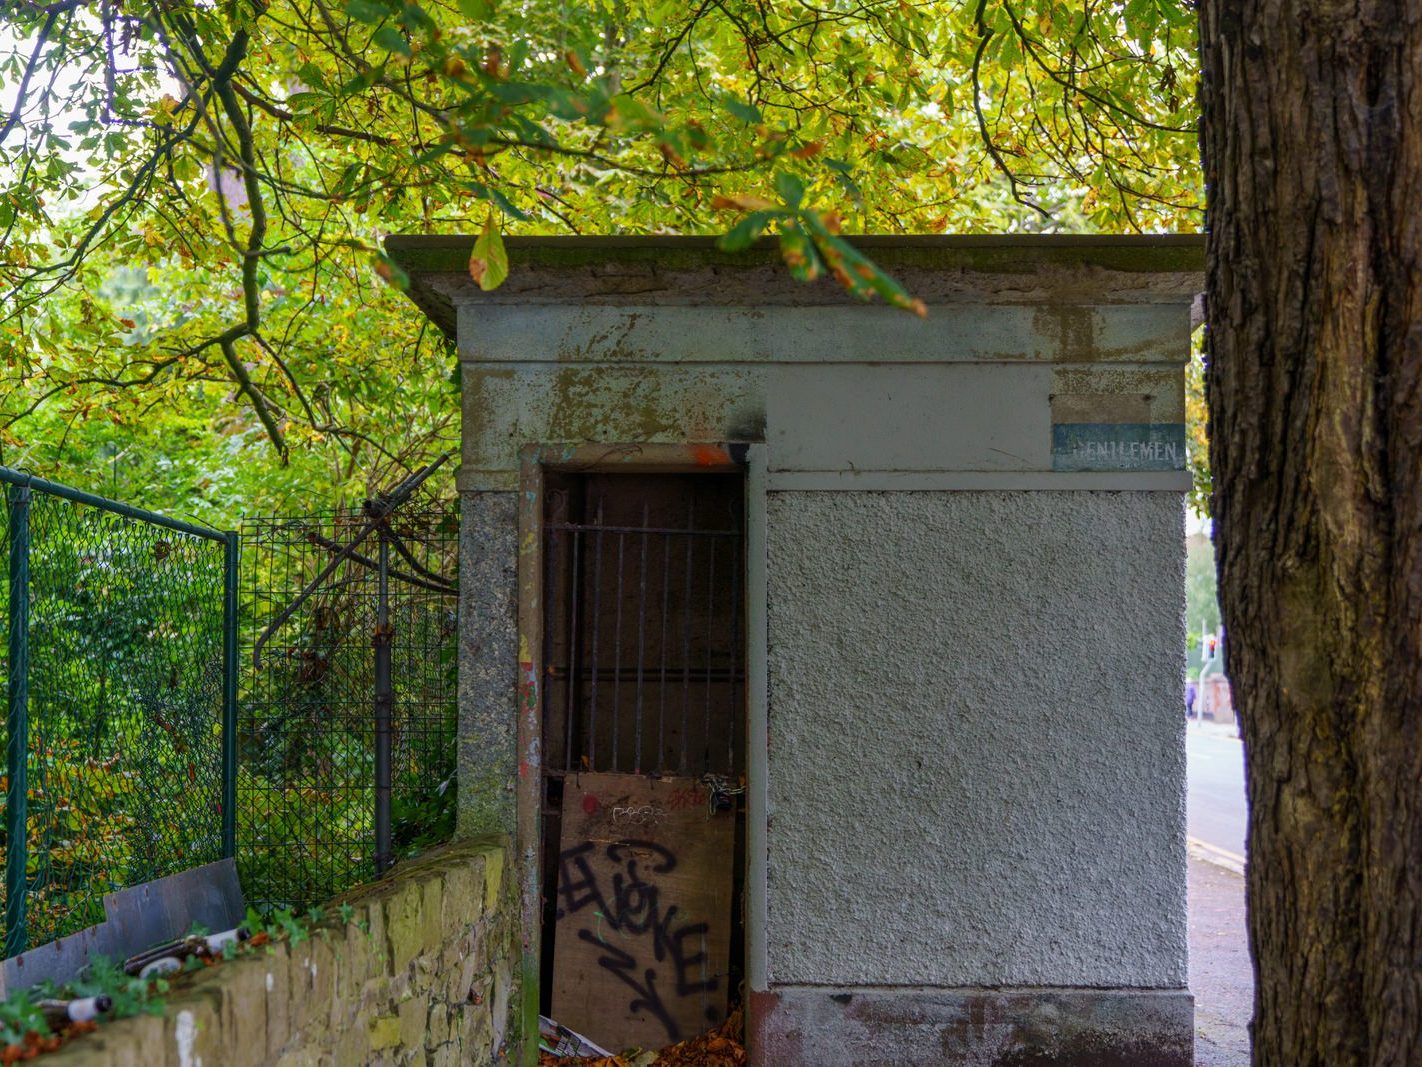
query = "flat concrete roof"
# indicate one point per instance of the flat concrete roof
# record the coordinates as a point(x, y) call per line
point(1016, 268)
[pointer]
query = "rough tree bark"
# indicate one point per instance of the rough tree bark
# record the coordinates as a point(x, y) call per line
point(1312, 141)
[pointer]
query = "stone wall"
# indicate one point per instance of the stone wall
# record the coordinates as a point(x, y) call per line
point(423, 973)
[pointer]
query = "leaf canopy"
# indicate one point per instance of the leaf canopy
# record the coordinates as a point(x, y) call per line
point(192, 194)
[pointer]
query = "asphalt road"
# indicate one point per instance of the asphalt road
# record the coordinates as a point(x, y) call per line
point(1215, 809)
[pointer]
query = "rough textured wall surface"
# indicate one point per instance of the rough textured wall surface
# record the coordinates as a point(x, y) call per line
point(488, 662)
point(976, 752)
point(812, 1026)
point(423, 973)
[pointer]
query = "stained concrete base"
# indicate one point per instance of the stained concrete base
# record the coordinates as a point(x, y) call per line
point(825, 1027)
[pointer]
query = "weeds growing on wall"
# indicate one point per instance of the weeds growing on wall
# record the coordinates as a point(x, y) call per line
point(25, 1033)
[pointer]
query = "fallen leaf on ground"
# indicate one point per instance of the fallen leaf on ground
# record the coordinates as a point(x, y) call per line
point(720, 1047)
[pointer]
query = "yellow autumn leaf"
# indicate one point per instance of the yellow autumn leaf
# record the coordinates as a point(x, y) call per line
point(489, 264)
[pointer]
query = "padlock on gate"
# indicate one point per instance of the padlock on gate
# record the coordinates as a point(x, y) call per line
point(719, 793)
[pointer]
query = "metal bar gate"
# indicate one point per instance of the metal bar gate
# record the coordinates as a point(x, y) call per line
point(644, 661)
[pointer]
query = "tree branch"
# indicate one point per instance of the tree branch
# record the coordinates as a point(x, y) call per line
point(45, 30)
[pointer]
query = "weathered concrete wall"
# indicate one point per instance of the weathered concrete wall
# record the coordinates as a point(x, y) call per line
point(424, 973)
point(982, 389)
point(811, 1026)
point(977, 756)
point(947, 416)
point(488, 638)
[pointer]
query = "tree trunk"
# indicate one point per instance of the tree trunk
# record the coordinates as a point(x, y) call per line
point(1312, 140)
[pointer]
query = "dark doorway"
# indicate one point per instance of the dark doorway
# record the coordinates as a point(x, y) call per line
point(644, 754)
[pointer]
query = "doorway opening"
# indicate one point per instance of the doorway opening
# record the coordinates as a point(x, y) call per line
point(644, 754)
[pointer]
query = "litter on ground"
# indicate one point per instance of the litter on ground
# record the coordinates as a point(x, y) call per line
point(720, 1047)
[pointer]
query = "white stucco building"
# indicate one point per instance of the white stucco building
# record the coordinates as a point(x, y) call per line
point(827, 659)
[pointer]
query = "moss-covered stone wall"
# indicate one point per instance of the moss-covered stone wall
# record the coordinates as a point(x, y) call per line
point(424, 972)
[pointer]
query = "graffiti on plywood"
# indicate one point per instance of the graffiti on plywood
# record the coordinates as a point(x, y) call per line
point(643, 896)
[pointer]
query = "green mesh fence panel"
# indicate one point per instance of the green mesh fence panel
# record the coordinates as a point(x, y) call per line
point(125, 688)
point(306, 785)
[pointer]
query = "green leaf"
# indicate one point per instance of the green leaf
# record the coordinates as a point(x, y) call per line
point(391, 271)
point(414, 17)
point(477, 9)
point(312, 75)
point(799, 253)
point(489, 265)
point(744, 111)
point(391, 39)
point(429, 155)
point(571, 106)
point(369, 11)
point(360, 83)
point(790, 188)
point(515, 93)
point(496, 197)
point(844, 174)
point(743, 234)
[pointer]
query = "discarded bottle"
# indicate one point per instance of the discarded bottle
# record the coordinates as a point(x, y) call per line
point(61, 1013)
point(217, 942)
point(168, 957)
point(161, 966)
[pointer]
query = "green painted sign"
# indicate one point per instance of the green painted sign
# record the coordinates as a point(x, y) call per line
point(1119, 446)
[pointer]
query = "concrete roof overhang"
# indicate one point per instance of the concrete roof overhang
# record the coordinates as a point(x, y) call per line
point(1016, 269)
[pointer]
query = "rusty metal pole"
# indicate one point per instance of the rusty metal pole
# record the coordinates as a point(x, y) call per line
point(384, 701)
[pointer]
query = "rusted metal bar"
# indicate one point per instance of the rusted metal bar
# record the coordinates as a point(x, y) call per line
point(552, 584)
point(733, 721)
point(379, 509)
point(641, 642)
point(710, 652)
point(652, 638)
point(686, 638)
point(574, 581)
point(569, 527)
point(597, 625)
point(558, 672)
point(384, 705)
point(617, 655)
point(662, 648)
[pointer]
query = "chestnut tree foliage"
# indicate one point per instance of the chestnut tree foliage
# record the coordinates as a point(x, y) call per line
point(192, 193)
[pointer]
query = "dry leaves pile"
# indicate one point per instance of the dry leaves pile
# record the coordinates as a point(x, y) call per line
point(720, 1047)
point(35, 1045)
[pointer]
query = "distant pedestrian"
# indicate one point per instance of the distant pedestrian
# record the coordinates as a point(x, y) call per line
point(1190, 694)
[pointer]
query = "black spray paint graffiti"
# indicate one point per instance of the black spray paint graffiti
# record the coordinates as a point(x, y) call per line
point(635, 910)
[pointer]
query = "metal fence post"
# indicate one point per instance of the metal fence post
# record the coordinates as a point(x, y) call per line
point(384, 705)
point(229, 695)
point(17, 723)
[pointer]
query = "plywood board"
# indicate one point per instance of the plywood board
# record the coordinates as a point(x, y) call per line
point(642, 944)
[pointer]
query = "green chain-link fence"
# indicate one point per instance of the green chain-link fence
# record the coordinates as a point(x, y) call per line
point(307, 737)
point(118, 659)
